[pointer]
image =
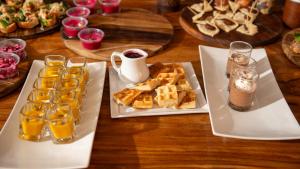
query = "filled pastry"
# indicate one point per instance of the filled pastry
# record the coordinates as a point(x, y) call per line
point(234, 6)
point(197, 7)
point(57, 9)
point(33, 5)
point(226, 24)
point(14, 3)
point(223, 14)
point(240, 18)
point(208, 28)
point(26, 20)
point(7, 23)
point(248, 28)
point(46, 18)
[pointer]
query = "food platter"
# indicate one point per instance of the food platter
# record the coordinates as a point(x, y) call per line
point(73, 155)
point(270, 118)
point(269, 29)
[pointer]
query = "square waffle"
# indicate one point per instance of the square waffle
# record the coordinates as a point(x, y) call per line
point(126, 96)
point(158, 68)
point(178, 68)
point(183, 84)
point(189, 101)
point(148, 85)
point(143, 101)
point(166, 96)
point(167, 78)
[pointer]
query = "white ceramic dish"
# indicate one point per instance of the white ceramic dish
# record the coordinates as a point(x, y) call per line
point(119, 111)
point(269, 119)
point(17, 153)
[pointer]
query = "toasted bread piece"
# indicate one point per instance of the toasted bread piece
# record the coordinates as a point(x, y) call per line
point(143, 101)
point(166, 96)
point(189, 101)
point(126, 96)
point(148, 85)
point(183, 84)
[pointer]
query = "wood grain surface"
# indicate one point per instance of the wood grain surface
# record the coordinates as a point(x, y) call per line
point(9, 85)
point(269, 29)
point(178, 141)
point(131, 28)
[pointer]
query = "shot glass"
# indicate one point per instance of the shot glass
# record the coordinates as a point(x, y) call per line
point(72, 25)
point(72, 84)
point(241, 51)
point(76, 73)
point(51, 71)
point(50, 83)
point(55, 60)
point(67, 96)
point(236, 68)
point(41, 96)
point(61, 124)
point(242, 89)
point(32, 121)
point(78, 62)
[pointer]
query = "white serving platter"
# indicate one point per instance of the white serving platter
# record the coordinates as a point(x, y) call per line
point(17, 153)
point(269, 119)
point(119, 111)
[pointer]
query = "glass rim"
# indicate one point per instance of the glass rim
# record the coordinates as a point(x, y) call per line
point(78, 7)
point(31, 117)
point(241, 42)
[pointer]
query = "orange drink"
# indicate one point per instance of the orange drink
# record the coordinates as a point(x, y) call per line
point(50, 83)
point(79, 62)
point(76, 73)
point(41, 96)
point(32, 121)
point(61, 124)
point(55, 60)
point(66, 96)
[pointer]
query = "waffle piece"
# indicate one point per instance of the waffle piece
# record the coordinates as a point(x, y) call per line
point(126, 96)
point(148, 85)
point(183, 84)
point(181, 95)
point(178, 68)
point(189, 101)
point(167, 78)
point(166, 96)
point(157, 68)
point(143, 101)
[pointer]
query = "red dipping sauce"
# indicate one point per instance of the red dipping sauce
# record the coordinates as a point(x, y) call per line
point(78, 12)
point(91, 38)
point(110, 6)
point(72, 25)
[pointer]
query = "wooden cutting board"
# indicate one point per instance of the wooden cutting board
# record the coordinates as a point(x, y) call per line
point(269, 26)
point(131, 28)
point(9, 85)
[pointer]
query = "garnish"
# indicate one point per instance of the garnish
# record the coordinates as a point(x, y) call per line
point(297, 37)
point(4, 23)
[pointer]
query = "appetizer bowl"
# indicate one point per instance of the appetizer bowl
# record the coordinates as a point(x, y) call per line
point(78, 11)
point(91, 38)
point(290, 49)
point(16, 46)
point(110, 6)
point(8, 65)
point(91, 4)
point(72, 25)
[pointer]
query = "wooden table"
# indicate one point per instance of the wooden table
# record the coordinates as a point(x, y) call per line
point(181, 141)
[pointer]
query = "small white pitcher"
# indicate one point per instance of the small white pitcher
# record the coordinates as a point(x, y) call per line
point(133, 69)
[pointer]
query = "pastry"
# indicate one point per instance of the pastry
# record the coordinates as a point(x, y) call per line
point(206, 6)
point(234, 6)
point(222, 14)
point(240, 18)
point(126, 96)
point(222, 8)
point(14, 3)
point(7, 23)
point(208, 29)
point(226, 24)
point(197, 7)
point(198, 16)
point(57, 9)
point(143, 101)
point(250, 12)
point(26, 20)
point(248, 28)
point(46, 18)
point(166, 96)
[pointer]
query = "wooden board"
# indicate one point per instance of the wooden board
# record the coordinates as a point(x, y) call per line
point(31, 33)
point(9, 85)
point(269, 27)
point(287, 40)
point(131, 28)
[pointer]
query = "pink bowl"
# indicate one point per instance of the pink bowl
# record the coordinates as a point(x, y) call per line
point(91, 38)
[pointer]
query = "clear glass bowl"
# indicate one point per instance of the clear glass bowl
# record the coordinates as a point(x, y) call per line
point(91, 38)
point(8, 65)
point(16, 46)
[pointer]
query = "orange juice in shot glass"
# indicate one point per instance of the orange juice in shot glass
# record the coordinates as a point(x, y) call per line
point(55, 60)
point(41, 96)
point(76, 73)
point(32, 121)
point(69, 96)
point(50, 83)
point(79, 62)
point(72, 84)
point(61, 124)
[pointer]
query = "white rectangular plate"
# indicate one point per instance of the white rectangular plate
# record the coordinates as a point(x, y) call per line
point(17, 153)
point(118, 111)
point(269, 119)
